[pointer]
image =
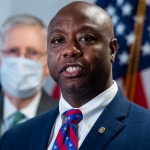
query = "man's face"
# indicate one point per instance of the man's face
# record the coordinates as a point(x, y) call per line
point(25, 41)
point(79, 56)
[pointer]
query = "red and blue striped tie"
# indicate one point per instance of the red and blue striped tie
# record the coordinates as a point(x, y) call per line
point(67, 138)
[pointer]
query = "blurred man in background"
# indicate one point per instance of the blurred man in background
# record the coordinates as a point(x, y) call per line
point(23, 70)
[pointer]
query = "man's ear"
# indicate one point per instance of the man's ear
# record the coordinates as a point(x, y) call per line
point(113, 48)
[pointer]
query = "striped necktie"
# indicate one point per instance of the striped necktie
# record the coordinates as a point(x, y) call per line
point(67, 138)
point(17, 117)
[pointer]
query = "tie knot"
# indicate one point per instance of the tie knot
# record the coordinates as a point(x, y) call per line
point(18, 115)
point(16, 118)
point(74, 116)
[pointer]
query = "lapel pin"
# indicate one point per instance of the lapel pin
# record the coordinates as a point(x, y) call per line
point(101, 130)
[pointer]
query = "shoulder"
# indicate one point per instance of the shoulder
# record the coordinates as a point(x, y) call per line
point(122, 107)
point(1, 102)
point(23, 132)
point(46, 103)
point(137, 126)
point(1, 96)
point(139, 113)
point(134, 119)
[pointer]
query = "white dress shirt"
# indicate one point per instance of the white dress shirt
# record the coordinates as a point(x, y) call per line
point(91, 111)
point(9, 109)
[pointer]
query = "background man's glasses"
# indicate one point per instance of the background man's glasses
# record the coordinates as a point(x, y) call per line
point(29, 53)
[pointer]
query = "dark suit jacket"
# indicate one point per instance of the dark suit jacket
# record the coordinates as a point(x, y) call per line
point(127, 127)
point(46, 104)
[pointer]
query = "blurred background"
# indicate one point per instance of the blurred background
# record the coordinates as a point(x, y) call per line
point(131, 19)
point(45, 10)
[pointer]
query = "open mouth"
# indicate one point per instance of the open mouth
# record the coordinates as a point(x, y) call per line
point(72, 70)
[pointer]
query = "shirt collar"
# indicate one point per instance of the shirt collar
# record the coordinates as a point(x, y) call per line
point(9, 108)
point(29, 111)
point(98, 103)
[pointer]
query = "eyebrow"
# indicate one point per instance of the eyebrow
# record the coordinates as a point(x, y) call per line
point(88, 28)
point(56, 30)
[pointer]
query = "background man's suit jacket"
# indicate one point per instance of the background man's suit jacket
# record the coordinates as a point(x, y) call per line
point(46, 104)
point(127, 127)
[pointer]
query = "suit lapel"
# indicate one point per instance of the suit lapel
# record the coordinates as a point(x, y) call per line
point(41, 134)
point(108, 124)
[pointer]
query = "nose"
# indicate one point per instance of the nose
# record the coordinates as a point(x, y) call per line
point(72, 50)
point(23, 53)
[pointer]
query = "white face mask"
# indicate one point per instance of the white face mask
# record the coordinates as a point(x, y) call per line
point(21, 77)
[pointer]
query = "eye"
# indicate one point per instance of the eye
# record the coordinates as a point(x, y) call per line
point(88, 38)
point(11, 51)
point(33, 52)
point(57, 40)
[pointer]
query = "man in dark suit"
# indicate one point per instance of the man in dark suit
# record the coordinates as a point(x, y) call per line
point(23, 70)
point(81, 50)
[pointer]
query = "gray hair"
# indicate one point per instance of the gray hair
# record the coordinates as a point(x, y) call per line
point(21, 20)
